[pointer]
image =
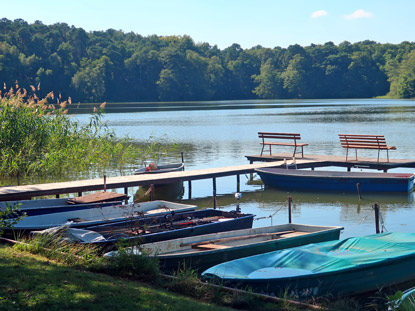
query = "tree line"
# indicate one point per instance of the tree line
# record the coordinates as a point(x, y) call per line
point(115, 66)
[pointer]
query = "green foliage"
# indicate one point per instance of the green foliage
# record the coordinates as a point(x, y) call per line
point(115, 66)
point(9, 217)
point(37, 138)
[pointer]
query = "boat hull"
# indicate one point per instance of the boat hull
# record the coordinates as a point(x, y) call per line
point(173, 191)
point(336, 181)
point(100, 214)
point(122, 230)
point(386, 264)
point(174, 254)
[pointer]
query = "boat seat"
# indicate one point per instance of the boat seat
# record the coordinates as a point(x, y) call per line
point(210, 246)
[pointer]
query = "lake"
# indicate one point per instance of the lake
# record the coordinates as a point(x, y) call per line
point(215, 134)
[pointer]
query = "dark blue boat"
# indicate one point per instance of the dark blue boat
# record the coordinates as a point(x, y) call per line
point(336, 181)
point(172, 226)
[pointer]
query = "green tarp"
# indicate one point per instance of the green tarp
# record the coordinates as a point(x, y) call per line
point(318, 258)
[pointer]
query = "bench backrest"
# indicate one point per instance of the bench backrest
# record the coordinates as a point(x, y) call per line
point(291, 136)
point(362, 141)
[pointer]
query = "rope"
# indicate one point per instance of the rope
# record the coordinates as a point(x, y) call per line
point(382, 223)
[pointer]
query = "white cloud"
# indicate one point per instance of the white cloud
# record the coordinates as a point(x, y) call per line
point(359, 14)
point(319, 13)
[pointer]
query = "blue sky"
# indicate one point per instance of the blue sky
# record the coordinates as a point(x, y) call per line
point(269, 23)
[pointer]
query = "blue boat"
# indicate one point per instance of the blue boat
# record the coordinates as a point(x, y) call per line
point(346, 267)
point(172, 226)
point(290, 179)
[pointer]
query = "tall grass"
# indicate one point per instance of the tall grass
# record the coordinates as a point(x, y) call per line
point(38, 138)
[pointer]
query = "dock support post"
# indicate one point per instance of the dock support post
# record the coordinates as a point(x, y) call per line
point(79, 194)
point(182, 158)
point(290, 200)
point(126, 193)
point(251, 175)
point(376, 208)
point(105, 183)
point(238, 183)
point(349, 168)
point(214, 193)
point(57, 196)
point(190, 189)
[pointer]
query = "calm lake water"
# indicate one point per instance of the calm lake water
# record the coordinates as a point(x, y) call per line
point(216, 134)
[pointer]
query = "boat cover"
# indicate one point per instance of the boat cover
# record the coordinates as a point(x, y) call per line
point(324, 257)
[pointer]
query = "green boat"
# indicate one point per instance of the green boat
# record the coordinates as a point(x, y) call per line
point(350, 266)
point(204, 251)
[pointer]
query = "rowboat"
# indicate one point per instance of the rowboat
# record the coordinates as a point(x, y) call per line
point(204, 251)
point(171, 191)
point(346, 267)
point(172, 226)
point(160, 169)
point(336, 181)
point(46, 206)
point(100, 214)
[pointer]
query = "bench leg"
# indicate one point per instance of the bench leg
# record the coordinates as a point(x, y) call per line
point(356, 154)
point(295, 151)
point(262, 150)
point(378, 154)
point(347, 153)
point(302, 151)
point(387, 154)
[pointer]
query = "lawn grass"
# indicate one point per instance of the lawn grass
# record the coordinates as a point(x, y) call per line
point(32, 282)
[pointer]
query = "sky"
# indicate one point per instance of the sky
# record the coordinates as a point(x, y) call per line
point(269, 23)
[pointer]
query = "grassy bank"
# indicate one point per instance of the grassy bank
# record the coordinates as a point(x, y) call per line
point(32, 282)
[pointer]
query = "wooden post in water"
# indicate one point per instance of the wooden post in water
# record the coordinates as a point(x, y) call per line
point(214, 193)
point(182, 159)
point(376, 208)
point(358, 190)
point(290, 200)
point(126, 193)
point(190, 189)
point(105, 183)
point(57, 196)
point(79, 194)
point(238, 183)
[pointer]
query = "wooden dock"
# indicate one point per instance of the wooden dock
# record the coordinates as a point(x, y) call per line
point(312, 161)
point(28, 191)
point(10, 193)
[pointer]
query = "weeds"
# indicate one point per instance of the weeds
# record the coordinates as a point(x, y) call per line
point(38, 138)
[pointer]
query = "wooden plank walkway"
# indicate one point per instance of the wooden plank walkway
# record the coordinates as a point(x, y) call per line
point(27, 191)
point(276, 160)
point(312, 160)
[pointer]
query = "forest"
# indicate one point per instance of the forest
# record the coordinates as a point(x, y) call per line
point(115, 66)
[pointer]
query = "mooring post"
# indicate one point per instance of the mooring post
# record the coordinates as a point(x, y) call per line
point(238, 183)
point(214, 193)
point(79, 194)
point(376, 208)
point(57, 196)
point(358, 190)
point(182, 158)
point(190, 189)
point(349, 168)
point(290, 200)
point(105, 183)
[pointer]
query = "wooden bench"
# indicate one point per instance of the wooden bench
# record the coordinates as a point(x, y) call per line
point(377, 142)
point(284, 136)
